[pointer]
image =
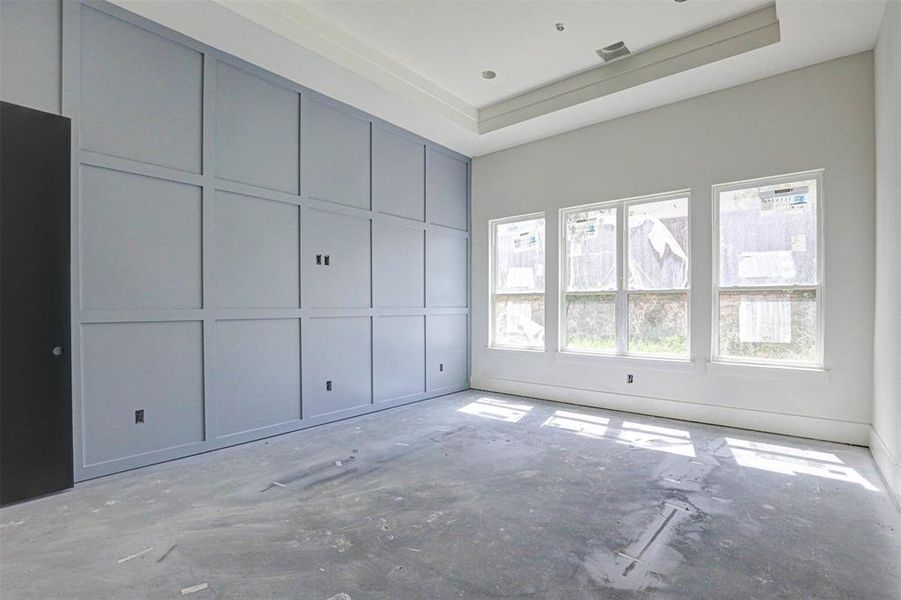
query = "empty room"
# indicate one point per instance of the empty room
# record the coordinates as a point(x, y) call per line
point(448, 299)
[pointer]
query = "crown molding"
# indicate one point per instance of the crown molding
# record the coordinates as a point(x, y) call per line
point(736, 36)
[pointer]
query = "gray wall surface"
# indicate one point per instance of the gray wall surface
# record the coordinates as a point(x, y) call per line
point(722, 137)
point(31, 53)
point(885, 440)
point(204, 191)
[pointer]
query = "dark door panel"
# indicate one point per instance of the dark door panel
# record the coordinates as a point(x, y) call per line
point(32, 149)
point(31, 296)
point(35, 370)
point(35, 227)
point(33, 463)
point(33, 380)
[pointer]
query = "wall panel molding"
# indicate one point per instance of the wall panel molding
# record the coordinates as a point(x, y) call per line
point(253, 337)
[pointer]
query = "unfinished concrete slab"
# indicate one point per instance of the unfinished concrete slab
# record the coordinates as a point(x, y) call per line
point(473, 495)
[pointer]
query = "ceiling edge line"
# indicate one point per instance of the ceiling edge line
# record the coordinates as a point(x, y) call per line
point(742, 34)
point(455, 108)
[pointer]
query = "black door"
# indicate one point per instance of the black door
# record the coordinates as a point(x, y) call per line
point(35, 382)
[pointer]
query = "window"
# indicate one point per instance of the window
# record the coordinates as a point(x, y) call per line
point(768, 271)
point(625, 277)
point(517, 284)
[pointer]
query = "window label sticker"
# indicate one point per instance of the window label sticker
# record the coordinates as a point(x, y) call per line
point(520, 279)
point(778, 265)
point(765, 321)
point(784, 200)
point(583, 228)
point(799, 242)
point(525, 241)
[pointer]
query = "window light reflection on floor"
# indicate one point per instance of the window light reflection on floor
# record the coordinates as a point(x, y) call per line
point(638, 435)
point(587, 425)
point(495, 408)
point(794, 461)
point(653, 437)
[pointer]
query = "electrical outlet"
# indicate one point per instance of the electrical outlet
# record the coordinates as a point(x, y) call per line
point(139, 416)
point(328, 386)
point(630, 378)
point(318, 259)
point(441, 367)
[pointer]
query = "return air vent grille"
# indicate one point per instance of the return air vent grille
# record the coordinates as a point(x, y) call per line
point(613, 51)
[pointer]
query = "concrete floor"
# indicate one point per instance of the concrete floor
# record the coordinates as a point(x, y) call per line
point(472, 495)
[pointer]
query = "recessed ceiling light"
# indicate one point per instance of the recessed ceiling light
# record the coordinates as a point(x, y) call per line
point(561, 26)
point(488, 74)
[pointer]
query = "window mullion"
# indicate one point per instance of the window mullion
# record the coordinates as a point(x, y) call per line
point(622, 306)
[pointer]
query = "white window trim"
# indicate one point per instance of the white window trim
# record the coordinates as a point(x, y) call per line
point(492, 237)
point(819, 287)
point(622, 292)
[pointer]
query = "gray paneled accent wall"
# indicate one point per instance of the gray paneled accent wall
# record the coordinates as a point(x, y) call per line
point(249, 256)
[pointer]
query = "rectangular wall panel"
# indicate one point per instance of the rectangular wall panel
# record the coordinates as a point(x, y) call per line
point(336, 365)
point(141, 94)
point(258, 374)
point(446, 276)
point(153, 367)
point(344, 281)
point(256, 130)
point(140, 241)
point(446, 336)
point(256, 256)
point(398, 175)
point(446, 192)
point(398, 265)
point(335, 155)
point(398, 345)
point(239, 241)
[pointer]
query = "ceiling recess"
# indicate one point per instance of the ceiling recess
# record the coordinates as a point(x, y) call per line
point(742, 34)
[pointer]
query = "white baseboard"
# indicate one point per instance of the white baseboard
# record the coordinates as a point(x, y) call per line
point(847, 432)
point(888, 465)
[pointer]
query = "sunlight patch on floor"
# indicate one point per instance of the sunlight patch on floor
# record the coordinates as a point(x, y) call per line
point(794, 461)
point(495, 408)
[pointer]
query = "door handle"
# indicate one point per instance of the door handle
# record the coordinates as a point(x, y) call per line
point(57, 351)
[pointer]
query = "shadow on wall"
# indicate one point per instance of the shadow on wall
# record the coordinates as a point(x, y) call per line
point(784, 460)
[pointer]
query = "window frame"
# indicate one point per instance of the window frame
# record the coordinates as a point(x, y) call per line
point(622, 292)
point(818, 288)
point(492, 282)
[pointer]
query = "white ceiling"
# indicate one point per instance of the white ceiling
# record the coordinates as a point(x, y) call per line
point(418, 64)
point(451, 43)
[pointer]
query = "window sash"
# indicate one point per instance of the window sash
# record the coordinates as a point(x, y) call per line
point(817, 288)
point(628, 204)
point(495, 295)
point(622, 292)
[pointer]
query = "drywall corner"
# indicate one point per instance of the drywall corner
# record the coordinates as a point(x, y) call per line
point(888, 466)
point(886, 436)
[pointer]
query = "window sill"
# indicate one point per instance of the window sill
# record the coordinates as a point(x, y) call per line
point(536, 352)
point(631, 360)
point(784, 372)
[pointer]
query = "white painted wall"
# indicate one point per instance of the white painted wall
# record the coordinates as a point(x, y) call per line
point(886, 438)
point(30, 53)
point(816, 117)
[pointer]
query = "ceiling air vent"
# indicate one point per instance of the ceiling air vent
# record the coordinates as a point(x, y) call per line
point(613, 51)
